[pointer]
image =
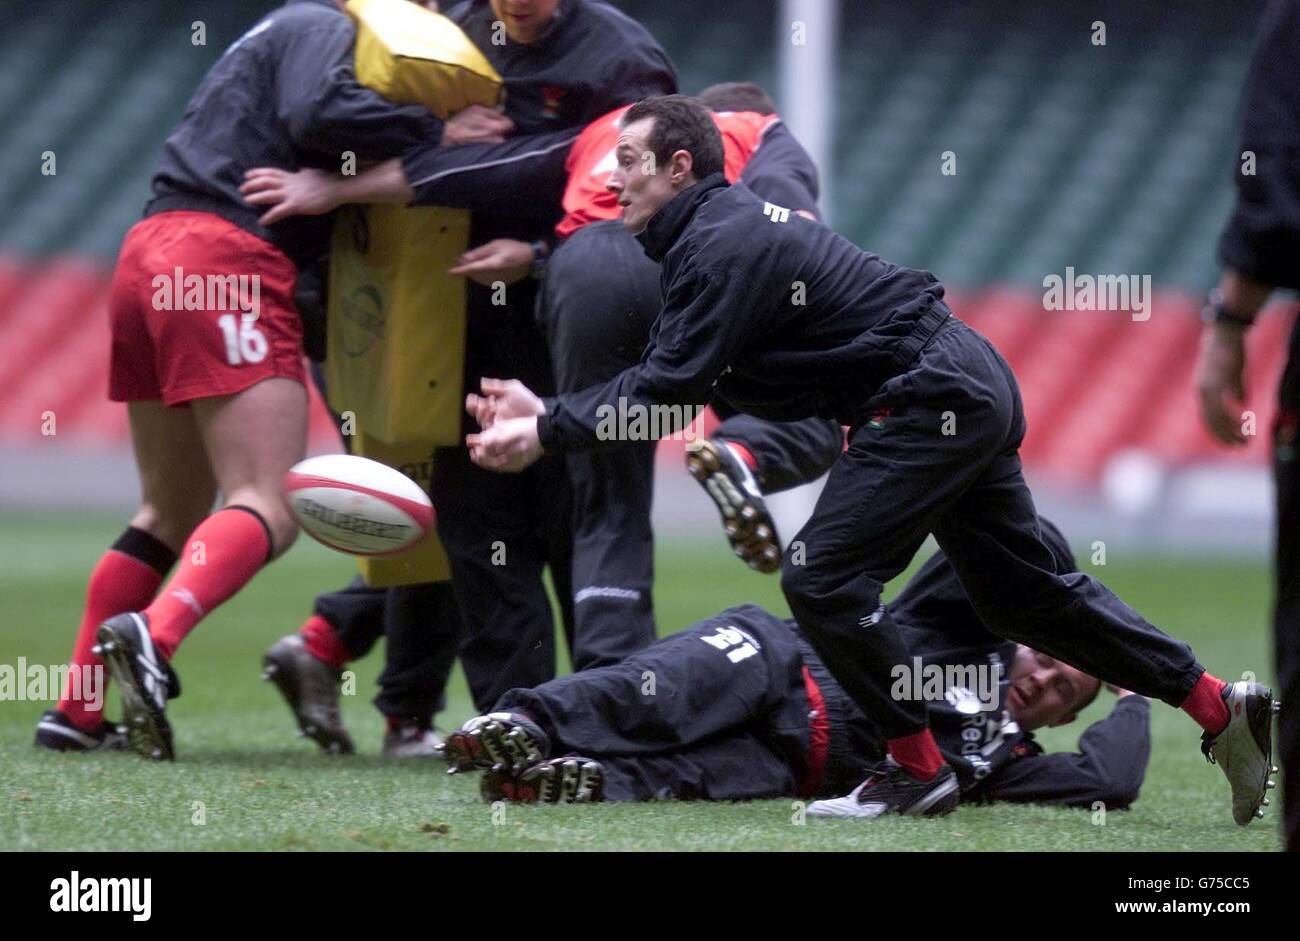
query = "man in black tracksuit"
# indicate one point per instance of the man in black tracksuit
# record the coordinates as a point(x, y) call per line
point(782, 318)
point(739, 707)
point(599, 298)
point(1260, 250)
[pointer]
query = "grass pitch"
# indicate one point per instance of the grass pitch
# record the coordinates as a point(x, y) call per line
point(242, 780)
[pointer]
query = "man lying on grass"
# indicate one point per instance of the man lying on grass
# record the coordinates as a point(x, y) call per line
point(739, 707)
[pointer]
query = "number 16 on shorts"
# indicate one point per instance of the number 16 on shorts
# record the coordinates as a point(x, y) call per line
point(245, 342)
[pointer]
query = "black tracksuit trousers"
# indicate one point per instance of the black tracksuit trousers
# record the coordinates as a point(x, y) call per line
point(716, 712)
point(599, 299)
point(502, 530)
point(422, 631)
point(1286, 622)
point(935, 450)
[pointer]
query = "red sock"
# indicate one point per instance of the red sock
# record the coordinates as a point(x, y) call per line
point(397, 722)
point(917, 754)
point(323, 642)
point(1205, 704)
point(124, 579)
point(220, 557)
point(744, 454)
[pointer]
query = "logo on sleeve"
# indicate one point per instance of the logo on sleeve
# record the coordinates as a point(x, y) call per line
point(776, 213)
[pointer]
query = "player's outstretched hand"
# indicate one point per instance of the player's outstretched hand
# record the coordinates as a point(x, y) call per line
point(1220, 382)
point(308, 192)
point(502, 399)
point(509, 446)
point(505, 260)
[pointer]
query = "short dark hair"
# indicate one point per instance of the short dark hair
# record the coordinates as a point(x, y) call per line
point(737, 96)
point(681, 123)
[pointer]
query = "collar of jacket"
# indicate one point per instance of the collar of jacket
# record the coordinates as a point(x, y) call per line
point(664, 227)
point(562, 13)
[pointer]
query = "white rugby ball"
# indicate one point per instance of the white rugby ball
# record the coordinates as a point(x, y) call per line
point(357, 505)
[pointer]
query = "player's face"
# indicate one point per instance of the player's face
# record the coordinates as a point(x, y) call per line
point(525, 20)
point(640, 186)
point(1045, 691)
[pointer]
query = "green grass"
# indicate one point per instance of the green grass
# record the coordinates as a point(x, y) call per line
point(261, 788)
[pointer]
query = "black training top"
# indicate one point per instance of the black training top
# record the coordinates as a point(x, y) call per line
point(774, 314)
point(283, 95)
point(1262, 239)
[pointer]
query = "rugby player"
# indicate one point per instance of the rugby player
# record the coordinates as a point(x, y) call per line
point(739, 707)
point(782, 318)
point(207, 349)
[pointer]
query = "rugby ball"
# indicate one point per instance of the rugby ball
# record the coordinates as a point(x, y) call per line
point(357, 505)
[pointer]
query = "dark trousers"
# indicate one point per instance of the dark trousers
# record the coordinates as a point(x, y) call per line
point(600, 297)
point(936, 451)
point(422, 628)
point(598, 300)
point(502, 530)
point(716, 712)
point(1286, 624)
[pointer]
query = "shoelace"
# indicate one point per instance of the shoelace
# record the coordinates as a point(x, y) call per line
point(878, 774)
point(1207, 749)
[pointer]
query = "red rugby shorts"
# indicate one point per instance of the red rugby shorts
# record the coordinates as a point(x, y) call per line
point(200, 308)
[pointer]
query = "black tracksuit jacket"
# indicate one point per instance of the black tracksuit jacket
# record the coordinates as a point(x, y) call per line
point(1262, 239)
point(772, 314)
point(283, 95)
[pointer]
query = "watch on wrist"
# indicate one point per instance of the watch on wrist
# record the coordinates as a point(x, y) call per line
point(1216, 312)
point(541, 251)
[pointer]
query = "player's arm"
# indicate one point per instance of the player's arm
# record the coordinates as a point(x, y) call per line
point(520, 175)
point(328, 111)
point(635, 70)
point(1109, 766)
point(699, 331)
point(1260, 243)
point(704, 320)
point(782, 172)
point(310, 192)
point(523, 177)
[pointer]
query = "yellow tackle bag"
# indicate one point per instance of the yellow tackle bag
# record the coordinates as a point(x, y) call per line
point(396, 328)
point(415, 57)
point(427, 562)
